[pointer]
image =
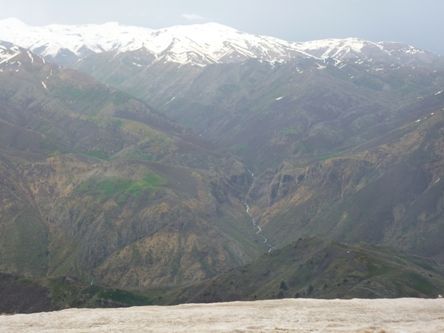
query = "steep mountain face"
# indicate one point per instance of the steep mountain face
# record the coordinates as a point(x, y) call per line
point(313, 268)
point(387, 191)
point(265, 112)
point(94, 184)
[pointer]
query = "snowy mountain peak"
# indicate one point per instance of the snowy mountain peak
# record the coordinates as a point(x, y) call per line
point(15, 58)
point(362, 50)
point(198, 44)
point(337, 48)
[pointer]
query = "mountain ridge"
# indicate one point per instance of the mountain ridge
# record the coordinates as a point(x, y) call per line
point(195, 44)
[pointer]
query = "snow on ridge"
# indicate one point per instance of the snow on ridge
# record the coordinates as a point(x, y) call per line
point(200, 43)
point(197, 44)
point(359, 50)
point(7, 53)
point(331, 48)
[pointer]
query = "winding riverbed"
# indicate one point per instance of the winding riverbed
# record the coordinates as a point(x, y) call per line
point(258, 229)
point(256, 226)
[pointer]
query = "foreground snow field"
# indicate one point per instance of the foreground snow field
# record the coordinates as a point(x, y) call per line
point(401, 315)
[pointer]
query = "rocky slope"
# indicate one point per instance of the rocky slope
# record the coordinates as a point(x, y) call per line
point(314, 268)
point(97, 185)
point(386, 191)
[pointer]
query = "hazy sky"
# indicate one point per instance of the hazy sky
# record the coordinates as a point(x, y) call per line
point(418, 22)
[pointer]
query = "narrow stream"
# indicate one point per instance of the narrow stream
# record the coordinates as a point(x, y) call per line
point(256, 226)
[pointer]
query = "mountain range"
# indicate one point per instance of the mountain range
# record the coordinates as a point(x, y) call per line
point(172, 159)
point(197, 45)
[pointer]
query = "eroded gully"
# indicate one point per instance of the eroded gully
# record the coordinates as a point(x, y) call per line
point(256, 226)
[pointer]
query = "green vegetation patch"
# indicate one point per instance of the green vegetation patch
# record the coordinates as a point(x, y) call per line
point(105, 121)
point(99, 154)
point(110, 187)
point(66, 293)
point(124, 297)
point(138, 154)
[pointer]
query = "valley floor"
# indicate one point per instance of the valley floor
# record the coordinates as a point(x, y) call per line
point(295, 315)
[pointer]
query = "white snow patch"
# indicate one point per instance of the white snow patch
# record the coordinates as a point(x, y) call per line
point(44, 85)
point(279, 98)
point(171, 100)
point(439, 92)
point(30, 57)
point(8, 56)
point(287, 315)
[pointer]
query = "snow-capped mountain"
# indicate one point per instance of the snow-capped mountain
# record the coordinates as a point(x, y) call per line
point(191, 44)
point(199, 44)
point(13, 57)
point(358, 50)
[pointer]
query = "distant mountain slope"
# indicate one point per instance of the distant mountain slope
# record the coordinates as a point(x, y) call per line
point(312, 268)
point(389, 190)
point(264, 99)
point(267, 113)
point(95, 184)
